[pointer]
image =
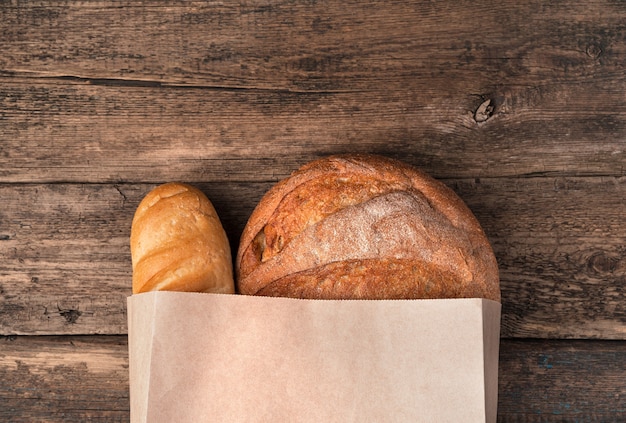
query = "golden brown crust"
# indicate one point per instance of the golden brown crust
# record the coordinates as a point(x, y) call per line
point(349, 216)
point(177, 243)
point(368, 279)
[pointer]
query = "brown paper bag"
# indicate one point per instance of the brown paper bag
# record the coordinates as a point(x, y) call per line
point(235, 358)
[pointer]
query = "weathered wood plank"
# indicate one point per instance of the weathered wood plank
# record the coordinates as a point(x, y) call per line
point(241, 92)
point(560, 248)
point(73, 131)
point(306, 45)
point(57, 379)
point(559, 243)
point(582, 381)
point(85, 378)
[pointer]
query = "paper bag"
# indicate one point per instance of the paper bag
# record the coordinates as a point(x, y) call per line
point(235, 358)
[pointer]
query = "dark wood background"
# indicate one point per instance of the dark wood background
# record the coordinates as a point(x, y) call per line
point(520, 107)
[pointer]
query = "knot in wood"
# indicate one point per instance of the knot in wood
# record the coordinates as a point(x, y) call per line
point(484, 111)
point(70, 315)
point(594, 51)
point(603, 263)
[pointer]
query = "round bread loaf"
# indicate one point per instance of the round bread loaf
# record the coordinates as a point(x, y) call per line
point(364, 227)
point(177, 243)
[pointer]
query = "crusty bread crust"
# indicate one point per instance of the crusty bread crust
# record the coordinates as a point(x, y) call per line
point(364, 226)
point(178, 243)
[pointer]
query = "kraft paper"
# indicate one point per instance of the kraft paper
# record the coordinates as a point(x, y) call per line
point(234, 358)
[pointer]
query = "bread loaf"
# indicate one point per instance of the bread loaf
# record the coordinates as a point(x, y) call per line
point(177, 243)
point(364, 226)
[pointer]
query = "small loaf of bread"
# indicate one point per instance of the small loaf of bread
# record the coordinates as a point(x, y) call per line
point(366, 227)
point(177, 243)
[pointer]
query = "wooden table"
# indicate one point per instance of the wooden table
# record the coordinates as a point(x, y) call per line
point(520, 107)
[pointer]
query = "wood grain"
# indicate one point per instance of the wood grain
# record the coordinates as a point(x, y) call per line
point(564, 381)
point(558, 241)
point(244, 92)
point(64, 379)
point(68, 131)
point(314, 45)
point(560, 248)
point(85, 378)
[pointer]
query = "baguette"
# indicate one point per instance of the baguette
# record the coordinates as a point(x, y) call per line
point(177, 243)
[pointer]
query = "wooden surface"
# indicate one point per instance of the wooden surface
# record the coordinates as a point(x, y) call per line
point(520, 107)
